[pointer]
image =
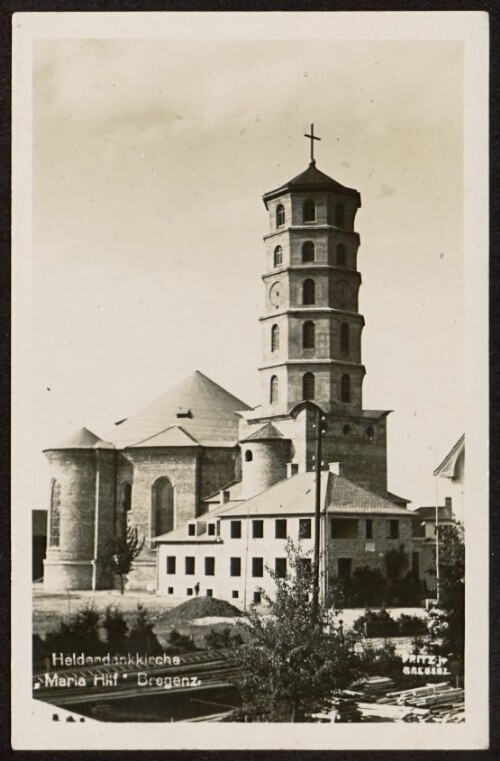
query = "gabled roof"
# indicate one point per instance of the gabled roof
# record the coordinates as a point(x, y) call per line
point(83, 439)
point(297, 495)
point(175, 436)
point(429, 513)
point(209, 415)
point(314, 180)
point(448, 467)
point(268, 432)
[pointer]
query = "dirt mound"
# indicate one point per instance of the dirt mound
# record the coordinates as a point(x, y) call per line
point(201, 607)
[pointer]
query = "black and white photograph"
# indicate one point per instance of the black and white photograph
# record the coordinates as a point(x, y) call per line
point(250, 294)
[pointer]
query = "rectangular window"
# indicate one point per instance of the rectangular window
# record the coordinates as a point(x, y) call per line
point(209, 593)
point(304, 528)
point(369, 529)
point(235, 594)
point(209, 566)
point(257, 566)
point(211, 529)
point(235, 566)
point(257, 597)
point(170, 564)
point(280, 567)
point(189, 566)
point(191, 529)
point(235, 529)
point(280, 528)
point(345, 568)
point(257, 529)
point(393, 528)
point(189, 591)
point(344, 528)
point(304, 567)
point(170, 591)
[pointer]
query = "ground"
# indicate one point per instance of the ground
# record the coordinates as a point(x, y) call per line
point(49, 608)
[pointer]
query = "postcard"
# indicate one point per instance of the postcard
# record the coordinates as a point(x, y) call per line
point(250, 299)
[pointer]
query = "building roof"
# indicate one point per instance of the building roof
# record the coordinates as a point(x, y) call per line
point(174, 436)
point(429, 513)
point(296, 496)
point(448, 468)
point(200, 407)
point(314, 180)
point(82, 439)
point(268, 432)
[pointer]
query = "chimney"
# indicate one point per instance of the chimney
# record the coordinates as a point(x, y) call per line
point(337, 468)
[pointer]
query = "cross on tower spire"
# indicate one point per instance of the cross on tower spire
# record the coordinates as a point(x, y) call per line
point(312, 137)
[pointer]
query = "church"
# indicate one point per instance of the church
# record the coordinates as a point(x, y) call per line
point(215, 487)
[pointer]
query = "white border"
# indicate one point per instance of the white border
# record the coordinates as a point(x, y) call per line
point(32, 726)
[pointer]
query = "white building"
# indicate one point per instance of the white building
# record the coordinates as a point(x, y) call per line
point(228, 552)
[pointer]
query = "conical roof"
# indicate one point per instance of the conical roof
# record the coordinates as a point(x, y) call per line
point(83, 439)
point(206, 412)
point(266, 433)
point(312, 179)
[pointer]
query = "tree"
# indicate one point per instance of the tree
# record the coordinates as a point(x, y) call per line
point(295, 659)
point(80, 629)
point(141, 636)
point(448, 620)
point(120, 553)
point(115, 628)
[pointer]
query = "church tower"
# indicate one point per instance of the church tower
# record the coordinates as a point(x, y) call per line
point(311, 328)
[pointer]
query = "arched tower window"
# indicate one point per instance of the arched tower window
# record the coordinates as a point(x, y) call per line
point(344, 338)
point(309, 210)
point(248, 455)
point(278, 256)
point(275, 338)
point(341, 259)
point(308, 386)
point(345, 389)
point(308, 292)
point(280, 215)
point(163, 507)
point(339, 214)
point(308, 335)
point(273, 390)
point(55, 514)
point(308, 251)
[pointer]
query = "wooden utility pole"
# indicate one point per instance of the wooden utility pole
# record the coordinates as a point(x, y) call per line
point(317, 513)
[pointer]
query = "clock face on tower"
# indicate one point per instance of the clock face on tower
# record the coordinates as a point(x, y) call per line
point(342, 292)
point(275, 294)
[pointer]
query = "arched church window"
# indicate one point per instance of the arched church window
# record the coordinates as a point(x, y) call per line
point(308, 335)
point(341, 259)
point(308, 386)
point(163, 507)
point(127, 497)
point(273, 395)
point(370, 433)
point(308, 292)
point(280, 215)
point(308, 251)
point(344, 338)
point(248, 455)
point(55, 514)
point(339, 214)
point(345, 389)
point(309, 210)
point(346, 430)
point(275, 338)
point(278, 256)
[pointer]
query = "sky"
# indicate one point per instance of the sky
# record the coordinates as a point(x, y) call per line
point(150, 159)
